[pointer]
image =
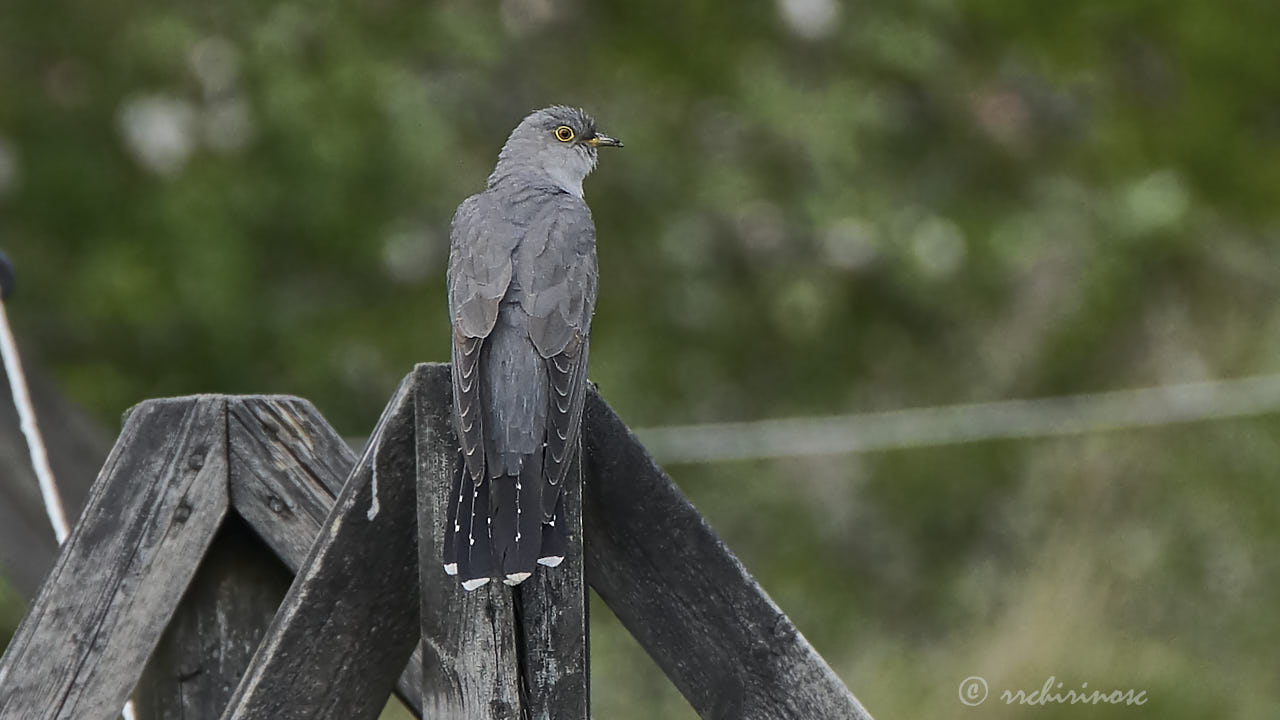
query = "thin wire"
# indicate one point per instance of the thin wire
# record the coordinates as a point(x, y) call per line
point(932, 426)
point(35, 445)
point(27, 420)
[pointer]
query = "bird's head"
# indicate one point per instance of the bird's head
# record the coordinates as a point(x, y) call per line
point(559, 142)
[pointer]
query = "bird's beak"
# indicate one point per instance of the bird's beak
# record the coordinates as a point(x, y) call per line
point(601, 140)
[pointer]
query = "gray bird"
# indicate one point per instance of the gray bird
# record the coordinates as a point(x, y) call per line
point(522, 288)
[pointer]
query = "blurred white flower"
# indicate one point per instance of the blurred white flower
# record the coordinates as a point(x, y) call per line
point(761, 227)
point(850, 243)
point(1158, 201)
point(158, 131)
point(810, 19)
point(801, 308)
point(411, 253)
point(216, 64)
point(521, 17)
point(938, 246)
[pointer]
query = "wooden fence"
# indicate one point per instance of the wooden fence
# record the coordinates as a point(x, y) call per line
point(235, 560)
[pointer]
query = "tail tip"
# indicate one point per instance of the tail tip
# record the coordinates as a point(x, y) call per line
point(514, 579)
point(474, 583)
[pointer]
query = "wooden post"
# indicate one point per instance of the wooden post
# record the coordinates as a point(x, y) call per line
point(216, 630)
point(551, 613)
point(347, 627)
point(494, 652)
point(150, 517)
point(468, 638)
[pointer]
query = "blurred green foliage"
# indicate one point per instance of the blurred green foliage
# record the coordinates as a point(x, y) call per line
point(822, 207)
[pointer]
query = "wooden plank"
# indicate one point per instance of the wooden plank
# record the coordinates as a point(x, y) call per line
point(347, 626)
point(287, 467)
point(551, 615)
point(210, 640)
point(676, 587)
point(150, 517)
point(468, 638)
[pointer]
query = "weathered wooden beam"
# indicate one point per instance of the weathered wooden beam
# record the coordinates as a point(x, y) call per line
point(684, 596)
point(348, 625)
point(552, 619)
point(149, 519)
point(287, 467)
point(468, 638)
point(210, 640)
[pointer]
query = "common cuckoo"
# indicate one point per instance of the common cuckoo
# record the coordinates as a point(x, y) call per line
point(522, 288)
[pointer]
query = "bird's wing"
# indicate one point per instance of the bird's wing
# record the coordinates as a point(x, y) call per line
point(478, 276)
point(559, 294)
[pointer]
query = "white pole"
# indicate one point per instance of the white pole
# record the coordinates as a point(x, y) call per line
point(27, 420)
point(35, 445)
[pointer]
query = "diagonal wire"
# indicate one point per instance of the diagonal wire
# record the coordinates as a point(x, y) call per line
point(947, 425)
point(27, 420)
point(35, 444)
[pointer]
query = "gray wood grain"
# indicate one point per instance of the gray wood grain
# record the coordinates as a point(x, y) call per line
point(149, 519)
point(210, 640)
point(468, 638)
point(346, 629)
point(684, 596)
point(551, 614)
point(347, 625)
point(287, 468)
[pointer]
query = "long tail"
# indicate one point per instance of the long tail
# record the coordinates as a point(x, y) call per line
point(496, 527)
point(467, 546)
point(516, 511)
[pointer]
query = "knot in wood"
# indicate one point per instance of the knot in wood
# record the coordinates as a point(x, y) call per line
point(276, 504)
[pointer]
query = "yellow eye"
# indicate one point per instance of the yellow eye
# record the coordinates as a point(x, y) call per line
point(564, 133)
